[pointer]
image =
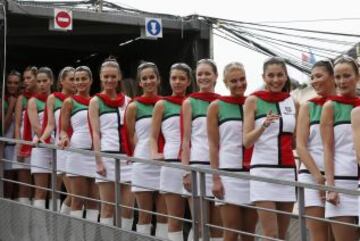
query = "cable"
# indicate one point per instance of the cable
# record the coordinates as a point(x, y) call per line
point(312, 20)
point(285, 28)
point(4, 68)
point(296, 35)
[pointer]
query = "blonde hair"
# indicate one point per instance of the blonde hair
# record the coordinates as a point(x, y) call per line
point(232, 66)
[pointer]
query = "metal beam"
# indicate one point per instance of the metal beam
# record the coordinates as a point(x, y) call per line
point(116, 17)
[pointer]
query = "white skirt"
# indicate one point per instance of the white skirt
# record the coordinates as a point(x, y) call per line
point(125, 171)
point(61, 157)
point(236, 191)
point(145, 177)
point(312, 196)
point(18, 164)
point(41, 159)
point(78, 164)
point(208, 182)
point(9, 151)
point(348, 204)
point(264, 191)
point(171, 180)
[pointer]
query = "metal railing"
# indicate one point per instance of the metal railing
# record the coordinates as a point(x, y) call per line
point(199, 218)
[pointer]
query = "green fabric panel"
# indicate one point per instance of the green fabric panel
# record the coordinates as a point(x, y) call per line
point(198, 107)
point(40, 106)
point(229, 111)
point(77, 107)
point(143, 110)
point(314, 112)
point(263, 107)
point(342, 113)
point(171, 109)
point(103, 108)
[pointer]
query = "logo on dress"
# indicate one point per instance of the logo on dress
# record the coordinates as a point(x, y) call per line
point(288, 110)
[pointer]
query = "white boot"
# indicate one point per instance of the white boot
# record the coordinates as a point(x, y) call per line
point(76, 213)
point(127, 223)
point(24, 200)
point(216, 239)
point(39, 203)
point(143, 228)
point(58, 203)
point(92, 215)
point(191, 235)
point(107, 221)
point(161, 230)
point(65, 209)
point(176, 236)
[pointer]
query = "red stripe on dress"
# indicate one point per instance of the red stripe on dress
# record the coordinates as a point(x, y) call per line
point(286, 153)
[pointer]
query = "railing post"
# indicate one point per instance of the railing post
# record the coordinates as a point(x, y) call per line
point(195, 206)
point(2, 172)
point(53, 181)
point(204, 207)
point(301, 204)
point(117, 194)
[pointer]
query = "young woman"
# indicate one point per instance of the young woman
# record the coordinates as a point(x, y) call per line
point(166, 121)
point(224, 125)
point(53, 106)
point(269, 124)
point(341, 169)
point(79, 167)
point(13, 82)
point(41, 158)
point(107, 115)
point(145, 177)
point(23, 172)
point(195, 148)
point(310, 149)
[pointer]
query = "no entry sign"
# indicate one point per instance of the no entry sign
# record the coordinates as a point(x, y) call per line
point(62, 19)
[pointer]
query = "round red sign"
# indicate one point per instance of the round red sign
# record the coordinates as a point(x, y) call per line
point(63, 19)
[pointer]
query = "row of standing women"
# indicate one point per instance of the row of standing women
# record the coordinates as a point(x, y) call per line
point(233, 133)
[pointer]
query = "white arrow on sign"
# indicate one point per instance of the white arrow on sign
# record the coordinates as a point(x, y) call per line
point(153, 28)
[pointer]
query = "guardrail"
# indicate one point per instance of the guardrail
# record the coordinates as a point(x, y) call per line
point(199, 215)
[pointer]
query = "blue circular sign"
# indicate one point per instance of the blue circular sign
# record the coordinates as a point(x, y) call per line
point(153, 27)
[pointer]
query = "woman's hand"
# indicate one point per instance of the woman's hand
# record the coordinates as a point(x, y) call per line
point(333, 198)
point(158, 156)
point(187, 182)
point(100, 168)
point(218, 188)
point(270, 118)
point(64, 141)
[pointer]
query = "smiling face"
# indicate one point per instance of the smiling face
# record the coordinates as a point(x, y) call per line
point(205, 77)
point(149, 80)
point(235, 81)
point(179, 81)
point(44, 83)
point(275, 77)
point(12, 84)
point(346, 79)
point(322, 81)
point(110, 77)
point(82, 82)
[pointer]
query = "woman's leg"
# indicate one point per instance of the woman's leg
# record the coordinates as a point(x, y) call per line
point(215, 219)
point(318, 230)
point(231, 217)
point(145, 202)
point(248, 223)
point(283, 220)
point(268, 220)
point(345, 233)
point(40, 195)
